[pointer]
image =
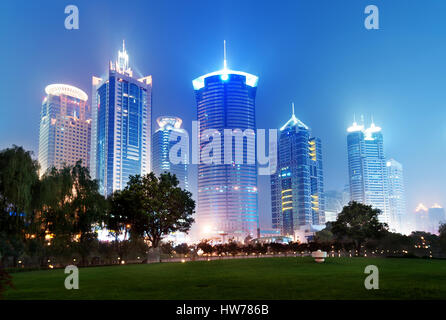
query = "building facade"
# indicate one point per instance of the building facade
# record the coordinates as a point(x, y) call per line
point(397, 201)
point(121, 130)
point(227, 192)
point(421, 218)
point(334, 203)
point(437, 217)
point(65, 128)
point(297, 188)
point(161, 148)
point(367, 168)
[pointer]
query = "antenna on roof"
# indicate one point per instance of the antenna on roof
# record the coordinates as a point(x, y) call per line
point(224, 55)
point(292, 106)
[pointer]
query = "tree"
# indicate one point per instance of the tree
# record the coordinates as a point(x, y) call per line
point(205, 246)
point(18, 177)
point(358, 222)
point(182, 248)
point(71, 209)
point(154, 207)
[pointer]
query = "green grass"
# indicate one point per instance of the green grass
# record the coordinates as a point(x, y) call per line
point(259, 278)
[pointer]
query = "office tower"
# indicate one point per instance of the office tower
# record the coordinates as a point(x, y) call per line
point(421, 218)
point(297, 188)
point(227, 192)
point(121, 130)
point(334, 202)
point(397, 201)
point(436, 216)
point(367, 168)
point(161, 148)
point(65, 125)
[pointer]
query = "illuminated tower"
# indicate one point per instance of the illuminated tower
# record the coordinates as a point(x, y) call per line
point(162, 146)
point(297, 189)
point(421, 218)
point(367, 168)
point(437, 217)
point(227, 193)
point(65, 128)
point(121, 130)
point(397, 202)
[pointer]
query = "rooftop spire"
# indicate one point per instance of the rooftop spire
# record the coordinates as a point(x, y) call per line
point(122, 64)
point(294, 121)
point(224, 55)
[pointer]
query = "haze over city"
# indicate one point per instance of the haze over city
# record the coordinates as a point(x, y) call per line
point(317, 55)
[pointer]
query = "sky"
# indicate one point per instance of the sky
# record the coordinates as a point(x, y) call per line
point(315, 53)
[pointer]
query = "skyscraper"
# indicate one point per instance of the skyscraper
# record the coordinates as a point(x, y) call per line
point(421, 218)
point(297, 188)
point(65, 127)
point(397, 201)
point(334, 203)
point(121, 130)
point(227, 193)
point(437, 216)
point(161, 148)
point(367, 168)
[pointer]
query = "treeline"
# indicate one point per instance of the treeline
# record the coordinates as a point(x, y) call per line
point(54, 219)
point(418, 244)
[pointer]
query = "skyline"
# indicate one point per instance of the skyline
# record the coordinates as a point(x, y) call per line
point(375, 82)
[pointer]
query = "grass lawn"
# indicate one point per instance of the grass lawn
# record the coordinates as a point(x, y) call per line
point(259, 278)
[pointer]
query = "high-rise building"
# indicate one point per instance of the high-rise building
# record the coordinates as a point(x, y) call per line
point(65, 128)
point(161, 147)
point(397, 201)
point(227, 192)
point(297, 188)
point(436, 216)
point(367, 168)
point(121, 129)
point(334, 202)
point(421, 218)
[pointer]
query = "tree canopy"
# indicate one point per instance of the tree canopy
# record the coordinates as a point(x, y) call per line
point(152, 207)
point(358, 222)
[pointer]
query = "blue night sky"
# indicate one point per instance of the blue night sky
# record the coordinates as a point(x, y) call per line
point(316, 53)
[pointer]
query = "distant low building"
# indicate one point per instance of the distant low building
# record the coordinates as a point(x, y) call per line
point(272, 239)
point(306, 233)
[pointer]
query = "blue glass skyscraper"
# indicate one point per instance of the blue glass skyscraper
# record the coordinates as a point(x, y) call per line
point(397, 200)
point(367, 168)
point(297, 189)
point(121, 126)
point(161, 147)
point(227, 193)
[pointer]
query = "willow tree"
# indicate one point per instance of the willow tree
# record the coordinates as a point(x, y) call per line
point(18, 178)
point(72, 208)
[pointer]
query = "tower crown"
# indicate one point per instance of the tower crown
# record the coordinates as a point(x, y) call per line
point(122, 63)
point(294, 121)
